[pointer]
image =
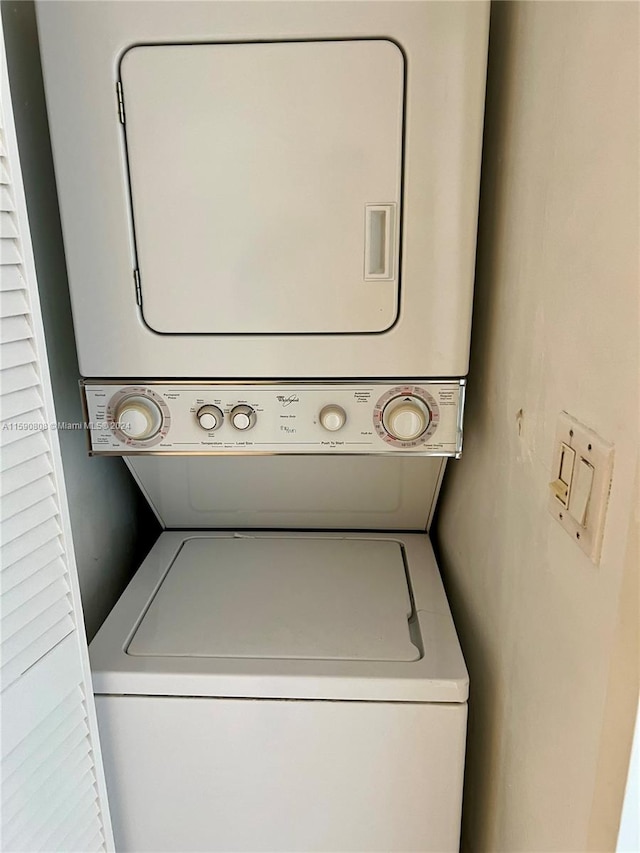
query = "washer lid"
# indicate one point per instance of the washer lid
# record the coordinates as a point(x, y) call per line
point(300, 599)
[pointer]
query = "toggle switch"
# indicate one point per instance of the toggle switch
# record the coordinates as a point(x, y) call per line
point(581, 492)
point(561, 486)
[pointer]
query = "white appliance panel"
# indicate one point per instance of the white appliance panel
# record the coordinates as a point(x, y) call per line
point(270, 155)
point(238, 775)
point(436, 674)
point(413, 417)
point(265, 597)
point(299, 492)
point(444, 47)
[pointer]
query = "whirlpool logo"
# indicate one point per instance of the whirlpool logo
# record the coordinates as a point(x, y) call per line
point(287, 401)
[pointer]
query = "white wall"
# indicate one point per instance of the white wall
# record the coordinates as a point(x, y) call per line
point(110, 523)
point(551, 641)
point(629, 835)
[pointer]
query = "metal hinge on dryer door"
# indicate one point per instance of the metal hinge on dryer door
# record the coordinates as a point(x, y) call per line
point(120, 101)
point(136, 279)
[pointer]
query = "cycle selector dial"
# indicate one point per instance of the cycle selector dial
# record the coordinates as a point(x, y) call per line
point(242, 417)
point(333, 417)
point(138, 418)
point(406, 418)
point(209, 417)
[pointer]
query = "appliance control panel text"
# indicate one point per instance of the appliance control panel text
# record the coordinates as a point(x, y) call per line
point(419, 417)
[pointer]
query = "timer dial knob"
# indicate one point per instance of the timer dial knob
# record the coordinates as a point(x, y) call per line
point(138, 418)
point(333, 417)
point(243, 417)
point(406, 418)
point(209, 417)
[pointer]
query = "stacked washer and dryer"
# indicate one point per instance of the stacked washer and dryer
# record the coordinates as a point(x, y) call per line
point(269, 212)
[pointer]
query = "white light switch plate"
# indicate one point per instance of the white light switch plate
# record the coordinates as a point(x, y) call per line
point(598, 453)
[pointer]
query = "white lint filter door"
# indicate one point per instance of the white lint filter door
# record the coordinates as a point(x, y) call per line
point(266, 185)
point(286, 598)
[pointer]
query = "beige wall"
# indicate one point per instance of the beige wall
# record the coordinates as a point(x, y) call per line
point(551, 641)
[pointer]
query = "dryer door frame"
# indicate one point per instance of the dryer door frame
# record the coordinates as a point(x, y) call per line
point(266, 184)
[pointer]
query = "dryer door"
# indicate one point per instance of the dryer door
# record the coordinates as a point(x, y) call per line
point(265, 184)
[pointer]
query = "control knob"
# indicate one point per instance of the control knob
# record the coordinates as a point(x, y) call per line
point(209, 417)
point(138, 418)
point(406, 418)
point(333, 417)
point(242, 417)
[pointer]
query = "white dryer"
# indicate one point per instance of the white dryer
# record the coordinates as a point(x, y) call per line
point(268, 189)
point(283, 692)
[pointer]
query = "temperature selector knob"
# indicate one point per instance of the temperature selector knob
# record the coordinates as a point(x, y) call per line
point(242, 417)
point(138, 418)
point(209, 417)
point(333, 418)
point(406, 418)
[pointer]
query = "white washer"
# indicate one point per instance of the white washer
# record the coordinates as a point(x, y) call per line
point(285, 692)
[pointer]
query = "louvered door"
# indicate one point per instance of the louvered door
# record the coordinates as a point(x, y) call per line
point(52, 786)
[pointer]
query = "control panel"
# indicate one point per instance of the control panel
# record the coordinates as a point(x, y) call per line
point(417, 417)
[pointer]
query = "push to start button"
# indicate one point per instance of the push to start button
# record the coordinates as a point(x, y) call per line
point(333, 417)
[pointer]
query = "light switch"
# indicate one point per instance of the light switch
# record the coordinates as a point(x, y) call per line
point(581, 492)
point(562, 484)
point(567, 460)
point(581, 473)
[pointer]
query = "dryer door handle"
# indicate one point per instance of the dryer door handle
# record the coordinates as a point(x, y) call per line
point(378, 263)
